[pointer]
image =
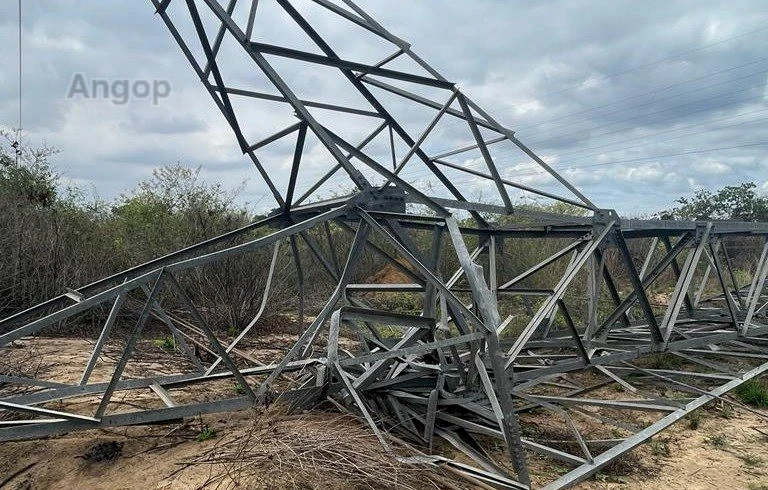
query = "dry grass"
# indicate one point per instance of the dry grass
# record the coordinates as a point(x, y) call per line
point(312, 451)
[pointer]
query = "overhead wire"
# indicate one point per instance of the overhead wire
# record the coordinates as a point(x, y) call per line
point(646, 65)
point(656, 142)
point(725, 70)
point(620, 162)
point(645, 115)
point(17, 144)
point(480, 164)
point(657, 90)
point(665, 131)
point(689, 152)
point(505, 153)
point(654, 101)
point(509, 152)
point(760, 72)
point(411, 174)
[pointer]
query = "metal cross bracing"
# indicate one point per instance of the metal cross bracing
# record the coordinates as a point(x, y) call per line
point(456, 371)
point(569, 339)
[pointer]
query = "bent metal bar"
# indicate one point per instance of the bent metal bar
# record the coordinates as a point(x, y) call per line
point(489, 355)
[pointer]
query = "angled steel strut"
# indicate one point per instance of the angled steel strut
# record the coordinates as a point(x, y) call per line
point(543, 317)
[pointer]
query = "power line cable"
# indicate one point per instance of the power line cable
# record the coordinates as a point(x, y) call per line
point(646, 65)
point(672, 96)
point(638, 116)
point(666, 88)
point(614, 75)
point(624, 99)
point(616, 162)
point(700, 48)
point(665, 110)
point(629, 160)
point(645, 136)
point(17, 144)
point(675, 116)
point(613, 123)
point(506, 153)
point(690, 152)
point(728, 126)
point(660, 89)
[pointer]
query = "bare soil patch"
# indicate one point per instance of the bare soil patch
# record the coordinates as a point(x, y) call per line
point(728, 449)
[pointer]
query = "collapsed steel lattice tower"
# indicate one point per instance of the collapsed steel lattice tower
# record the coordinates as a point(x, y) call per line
point(458, 370)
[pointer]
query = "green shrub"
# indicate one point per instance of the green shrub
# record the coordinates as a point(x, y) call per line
point(399, 302)
point(663, 360)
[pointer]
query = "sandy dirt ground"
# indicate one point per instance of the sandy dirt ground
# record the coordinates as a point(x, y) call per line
point(721, 453)
point(723, 448)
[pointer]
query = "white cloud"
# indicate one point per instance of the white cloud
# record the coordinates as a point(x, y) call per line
point(711, 166)
point(39, 39)
point(593, 82)
point(649, 173)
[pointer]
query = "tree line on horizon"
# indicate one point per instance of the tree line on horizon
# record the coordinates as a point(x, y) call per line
point(53, 238)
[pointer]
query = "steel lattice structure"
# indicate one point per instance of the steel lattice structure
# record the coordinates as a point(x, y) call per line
point(457, 370)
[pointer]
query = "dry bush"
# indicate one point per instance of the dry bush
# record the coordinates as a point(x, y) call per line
point(312, 451)
point(16, 361)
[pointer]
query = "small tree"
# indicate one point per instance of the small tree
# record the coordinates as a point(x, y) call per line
point(739, 202)
point(30, 177)
point(172, 209)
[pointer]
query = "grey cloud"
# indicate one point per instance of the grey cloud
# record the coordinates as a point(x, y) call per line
point(164, 124)
point(532, 64)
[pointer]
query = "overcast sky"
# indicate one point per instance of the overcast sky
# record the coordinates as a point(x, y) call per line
point(636, 102)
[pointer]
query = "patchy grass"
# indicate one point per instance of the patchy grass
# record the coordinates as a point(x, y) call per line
point(166, 343)
point(751, 460)
point(694, 419)
point(387, 332)
point(104, 451)
point(619, 469)
point(742, 276)
point(663, 360)
point(660, 448)
point(720, 441)
point(727, 412)
point(758, 486)
point(206, 433)
point(753, 392)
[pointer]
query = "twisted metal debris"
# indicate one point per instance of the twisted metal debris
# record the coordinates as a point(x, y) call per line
point(459, 370)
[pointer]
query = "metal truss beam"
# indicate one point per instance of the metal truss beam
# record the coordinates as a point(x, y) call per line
point(535, 294)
